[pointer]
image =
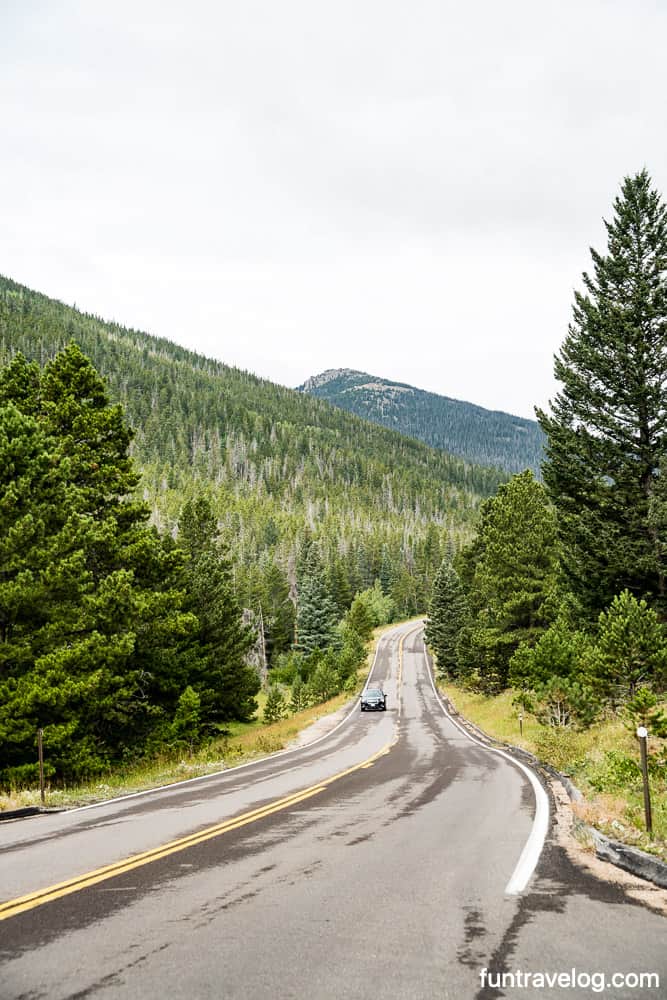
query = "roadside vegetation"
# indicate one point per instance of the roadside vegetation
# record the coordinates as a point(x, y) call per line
point(602, 761)
point(241, 742)
point(120, 644)
point(557, 608)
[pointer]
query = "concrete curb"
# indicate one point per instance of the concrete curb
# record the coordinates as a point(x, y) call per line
point(630, 859)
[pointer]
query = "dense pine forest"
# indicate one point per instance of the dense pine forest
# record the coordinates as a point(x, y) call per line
point(176, 532)
point(487, 437)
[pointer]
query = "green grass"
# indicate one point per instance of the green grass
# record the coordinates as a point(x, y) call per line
point(602, 761)
point(244, 741)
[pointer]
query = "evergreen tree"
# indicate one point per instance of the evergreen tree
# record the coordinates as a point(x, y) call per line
point(387, 569)
point(447, 616)
point(93, 436)
point(608, 424)
point(553, 676)
point(632, 650)
point(338, 585)
point(657, 522)
point(359, 618)
point(404, 593)
point(643, 709)
point(43, 584)
point(325, 681)
point(197, 527)
point(560, 652)
point(317, 616)
point(275, 708)
point(90, 621)
point(513, 590)
point(218, 670)
point(352, 653)
point(561, 702)
point(299, 699)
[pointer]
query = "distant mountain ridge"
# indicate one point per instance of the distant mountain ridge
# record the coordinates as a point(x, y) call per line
point(481, 436)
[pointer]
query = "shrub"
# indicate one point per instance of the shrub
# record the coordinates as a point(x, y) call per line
point(186, 727)
point(324, 684)
point(380, 607)
point(614, 773)
point(287, 667)
point(557, 746)
point(561, 702)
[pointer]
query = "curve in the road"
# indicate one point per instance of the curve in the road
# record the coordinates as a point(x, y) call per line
point(518, 881)
point(387, 882)
point(534, 846)
point(250, 763)
point(32, 900)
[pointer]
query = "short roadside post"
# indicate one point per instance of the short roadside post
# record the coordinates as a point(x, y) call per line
point(520, 723)
point(40, 752)
point(642, 736)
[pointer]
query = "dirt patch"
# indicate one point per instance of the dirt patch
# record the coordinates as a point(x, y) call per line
point(321, 727)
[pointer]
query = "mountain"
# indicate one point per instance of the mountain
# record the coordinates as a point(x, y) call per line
point(484, 437)
point(280, 466)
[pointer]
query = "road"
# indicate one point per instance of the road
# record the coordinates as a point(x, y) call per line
point(378, 862)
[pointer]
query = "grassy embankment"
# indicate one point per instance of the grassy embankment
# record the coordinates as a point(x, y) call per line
point(603, 762)
point(245, 741)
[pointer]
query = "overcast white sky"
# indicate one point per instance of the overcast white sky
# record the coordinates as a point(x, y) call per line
point(407, 188)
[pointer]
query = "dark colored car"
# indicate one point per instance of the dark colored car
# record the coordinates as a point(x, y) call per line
point(373, 700)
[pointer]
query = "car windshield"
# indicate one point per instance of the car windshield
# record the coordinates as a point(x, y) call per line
point(374, 693)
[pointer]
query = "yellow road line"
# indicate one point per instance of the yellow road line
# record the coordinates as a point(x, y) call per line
point(21, 904)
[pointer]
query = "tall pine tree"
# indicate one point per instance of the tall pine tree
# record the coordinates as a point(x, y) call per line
point(607, 426)
point(90, 622)
point(512, 578)
point(218, 671)
point(316, 615)
point(447, 615)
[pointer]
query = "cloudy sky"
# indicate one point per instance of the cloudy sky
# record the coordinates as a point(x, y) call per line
point(409, 189)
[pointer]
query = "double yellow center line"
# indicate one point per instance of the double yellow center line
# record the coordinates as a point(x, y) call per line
point(34, 899)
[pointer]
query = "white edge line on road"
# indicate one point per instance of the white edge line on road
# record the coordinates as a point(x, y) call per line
point(239, 767)
point(533, 847)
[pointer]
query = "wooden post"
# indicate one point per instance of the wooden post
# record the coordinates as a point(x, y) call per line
point(40, 752)
point(642, 735)
point(520, 723)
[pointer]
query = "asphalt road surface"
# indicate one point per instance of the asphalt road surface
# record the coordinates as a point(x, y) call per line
point(391, 859)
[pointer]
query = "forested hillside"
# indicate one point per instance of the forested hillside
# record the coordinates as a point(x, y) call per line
point(487, 437)
point(280, 465)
